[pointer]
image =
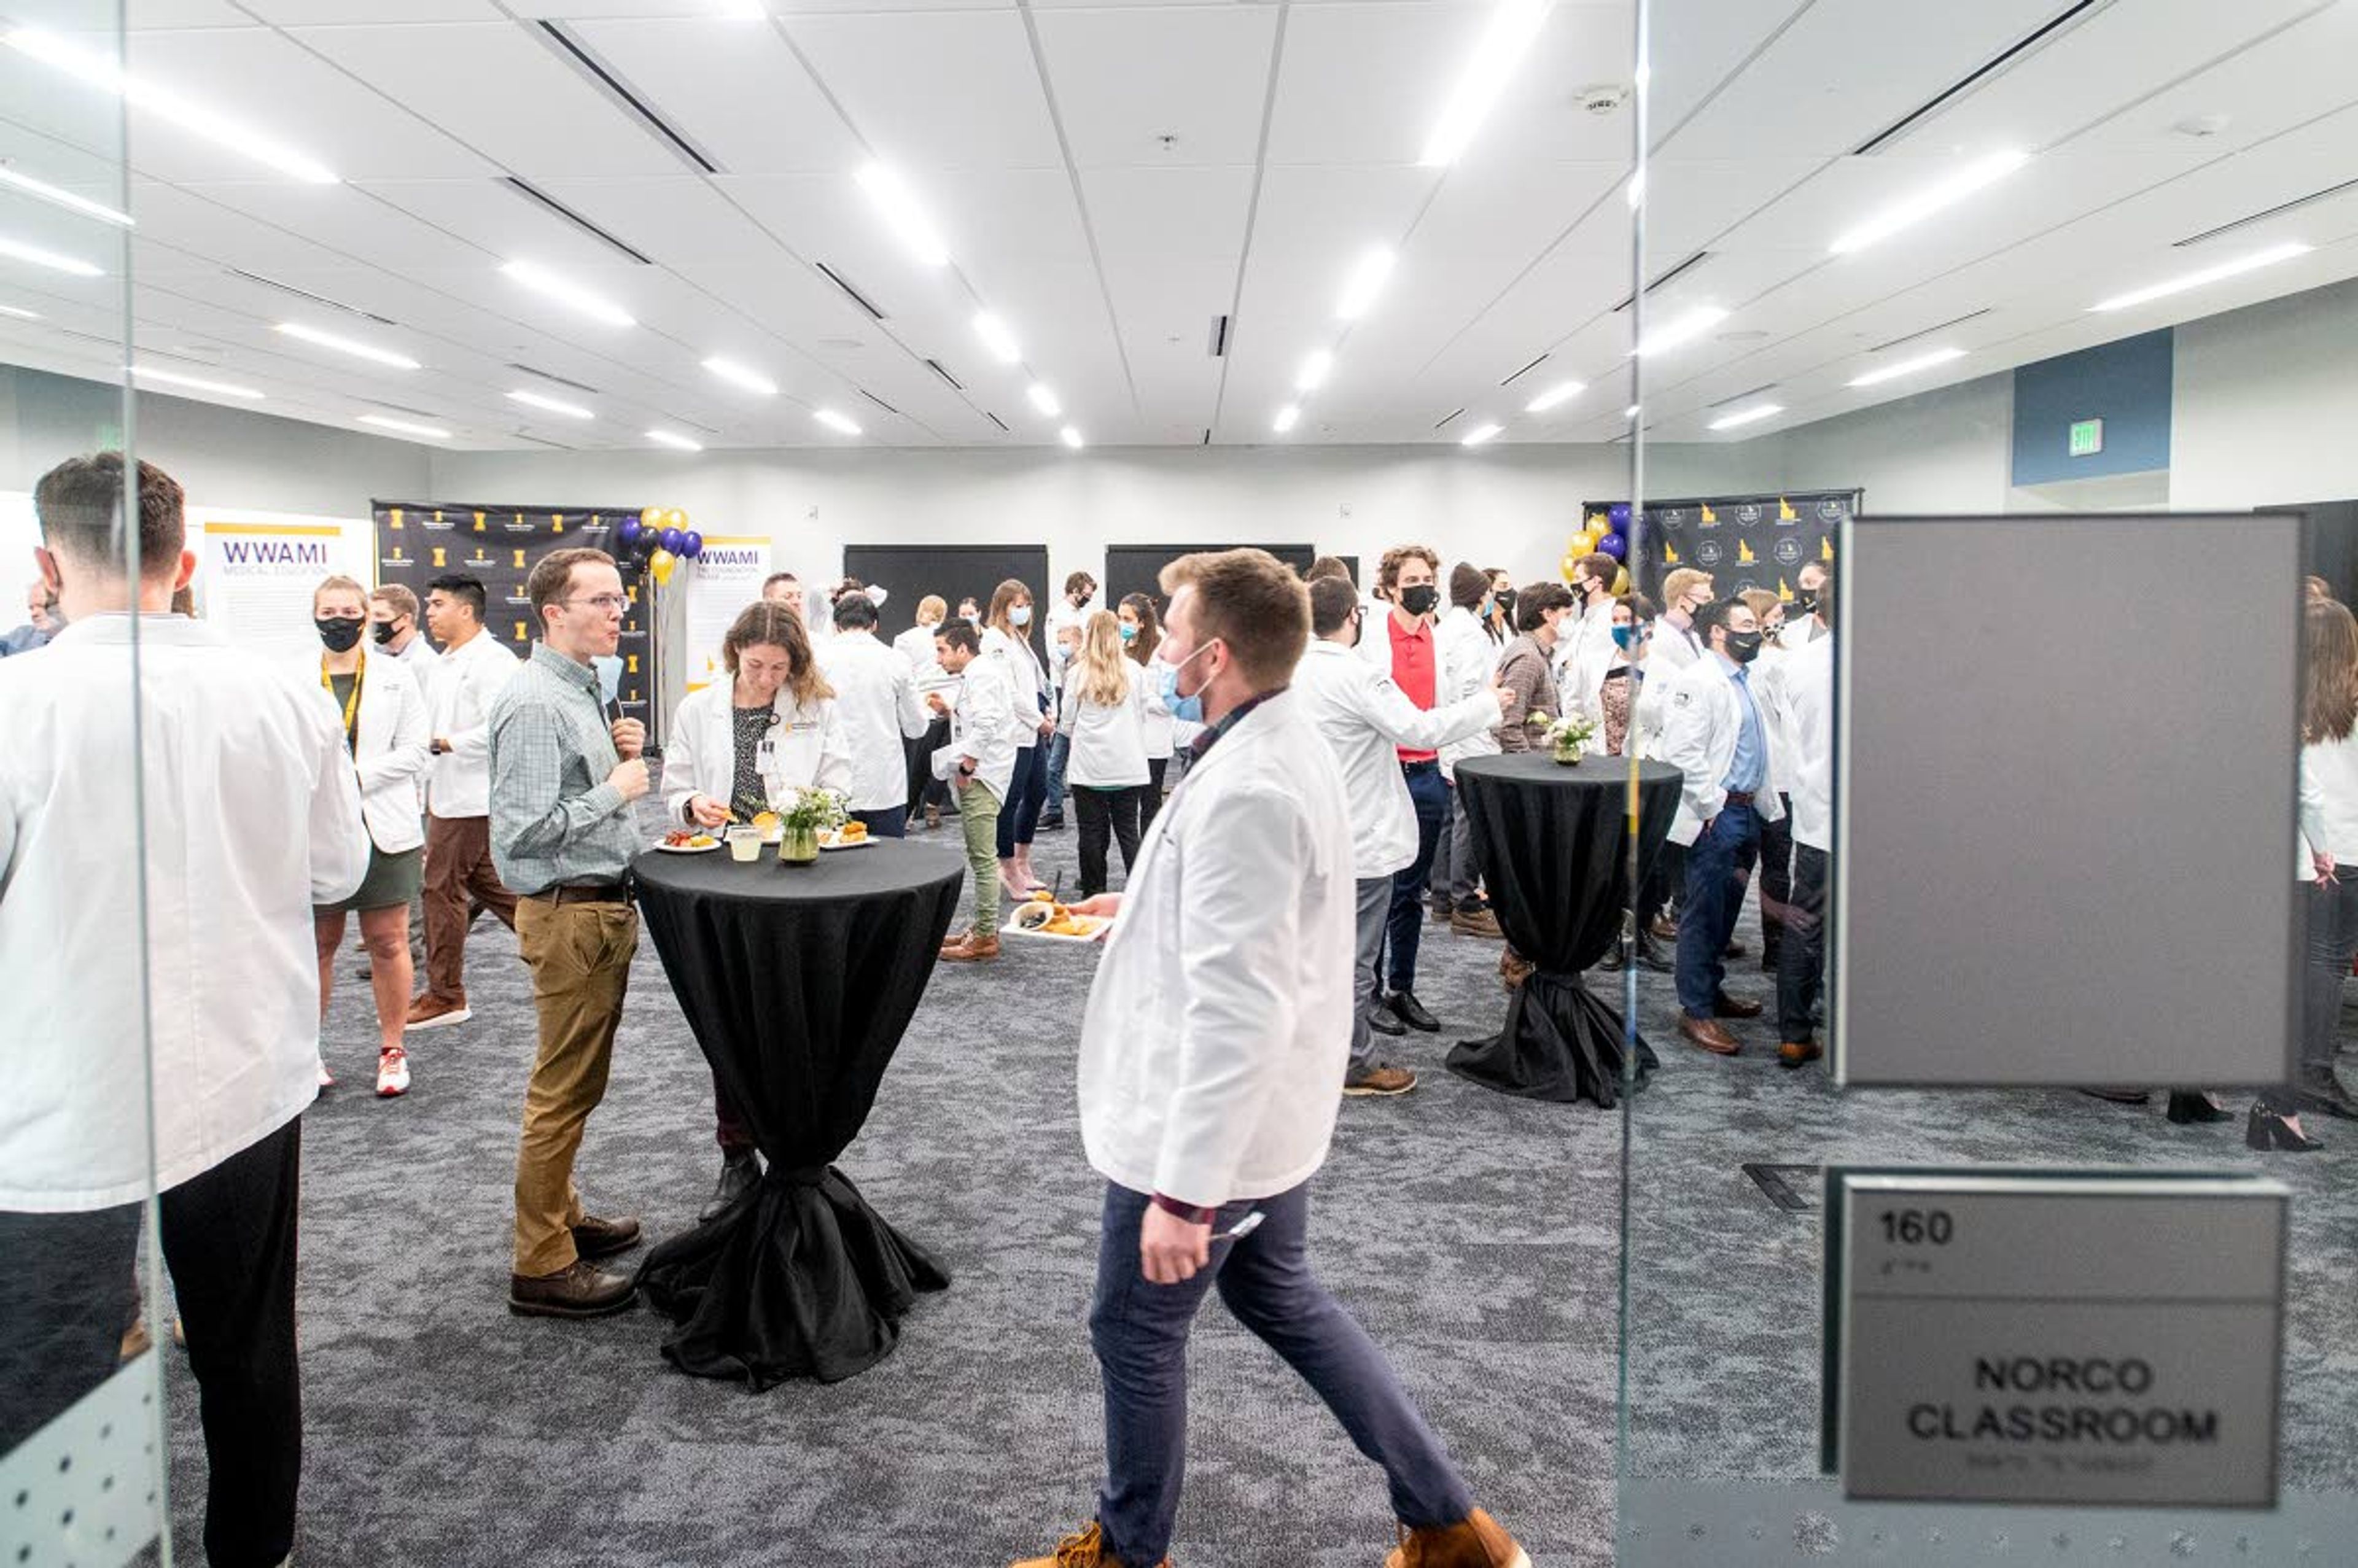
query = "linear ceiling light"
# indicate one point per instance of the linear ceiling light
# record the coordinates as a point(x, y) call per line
point(110, 77)
point(676, 442)
point(1561, 392)
point(430, 432)
point(1924, 203)
point(997, 338)
point(19, 314)
point(1070, 436)
point(67, 199)
point(1908, 367)
point(1506, 38)
point(1315, 368)
point(1287, 418)
point(838, 423)
point(542, 281)
point(1752, 416)
point(195, 384)
point(552, 404)
point(1692, 325)
point(1367, 280)
point(1044, 399)
point(2252, 262)
point(50, 259)
point(344, 345)
point(736, 374)
point(903, 214)
point(1479, 434)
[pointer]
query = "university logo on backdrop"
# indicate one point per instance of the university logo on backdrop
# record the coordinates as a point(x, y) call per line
point(1747, 513)
point(1787, 551)
point(1708, 554)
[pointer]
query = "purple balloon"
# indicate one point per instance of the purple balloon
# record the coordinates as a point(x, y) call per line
point(627, 534)
point(1619, 513)
point(671, 538)
point(691, 544)
point(1614, 545)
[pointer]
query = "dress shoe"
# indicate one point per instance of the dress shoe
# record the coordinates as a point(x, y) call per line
point(2323, 1092)
point(1665, 928)
point(2186, 1108)
point(1382, 1021)
point(1441, 911)
point(1612, 963)
point(1476, 922)
point(582, 1290)
point(594, 1237)
point(741, 1172)
point(1706, 1034)
point(2119, 1096)
point(1383, 1079)
point(2273, 1133)
point(1798, 1052)
point(974, 947)
point(1086, 1549)
point(1475, 1542)
point(1734, 950)
point(1411, 1011)
point(1653, 959)
point(1726, 1006)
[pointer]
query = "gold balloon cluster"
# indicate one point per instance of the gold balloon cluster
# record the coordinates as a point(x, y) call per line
point(1585, 543)
point(663, 524)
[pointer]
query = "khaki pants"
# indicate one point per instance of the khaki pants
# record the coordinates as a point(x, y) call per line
point(581, 960)
point(458, 867)
point(979, 818)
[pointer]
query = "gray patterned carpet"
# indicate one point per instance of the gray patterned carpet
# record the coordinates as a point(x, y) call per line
point(1476, 1236)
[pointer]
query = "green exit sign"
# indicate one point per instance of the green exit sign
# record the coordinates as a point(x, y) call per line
point(2087, 437)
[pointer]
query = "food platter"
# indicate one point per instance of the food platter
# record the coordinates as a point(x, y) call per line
point(1042, 919)
point(680, 842)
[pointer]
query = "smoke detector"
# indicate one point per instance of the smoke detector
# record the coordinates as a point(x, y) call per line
point(1603, 99)
point(2201, 125)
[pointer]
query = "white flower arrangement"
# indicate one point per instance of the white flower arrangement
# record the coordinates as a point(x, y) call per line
point(1570, 733)
point(808, 808)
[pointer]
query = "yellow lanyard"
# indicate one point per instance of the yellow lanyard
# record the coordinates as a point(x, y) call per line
point(351, 703)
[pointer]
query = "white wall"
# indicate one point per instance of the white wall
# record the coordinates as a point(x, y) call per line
point(2266, 405)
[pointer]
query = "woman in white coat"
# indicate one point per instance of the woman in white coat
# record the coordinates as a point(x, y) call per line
point(1008, 629)
point(735, 745)
point(1104, 717)
point(386, 731)
point(1141, 633)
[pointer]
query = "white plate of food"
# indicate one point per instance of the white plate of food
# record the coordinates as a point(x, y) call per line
point(680, 842)
point(1048, 920)
point(852, 837)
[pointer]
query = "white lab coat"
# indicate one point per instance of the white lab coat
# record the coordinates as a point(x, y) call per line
point(251, 816)
point(916, 645)
point(1699, 738)
point(391, 756)
point(1365, 718)
point(1214, 1043)
point(806, 746)
point(1808, 691)
point(1775, 711)
point(1026, 680)
point(1465, 661)
point(983, 725)
point(466, 682)
point(1584, 644)
point(2329, 805)
point(1161, 731)
point(876, 702)
point(1108, 744)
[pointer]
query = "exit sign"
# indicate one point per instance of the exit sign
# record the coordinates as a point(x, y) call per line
point(2087, 437)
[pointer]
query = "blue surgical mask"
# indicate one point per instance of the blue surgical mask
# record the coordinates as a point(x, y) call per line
point(1130, 633)
point(1166, 689)
point(1625, 637)
point(1020, 615)
point(610, 675)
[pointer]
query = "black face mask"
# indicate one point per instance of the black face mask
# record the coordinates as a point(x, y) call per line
point(341, 634)
point(1420, 599)
point(1507, 607)
point(1744, 647)
point(383, 631)
point(1804, 603)
point(1358, 629)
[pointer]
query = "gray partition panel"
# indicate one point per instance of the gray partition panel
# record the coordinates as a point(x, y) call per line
point(2067, 769)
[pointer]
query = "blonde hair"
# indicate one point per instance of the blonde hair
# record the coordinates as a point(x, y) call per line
point(339, 582)
point(767, 623)
point(1100, 672)
point(1760, 602)
point(933, 604)
point(1676, 586)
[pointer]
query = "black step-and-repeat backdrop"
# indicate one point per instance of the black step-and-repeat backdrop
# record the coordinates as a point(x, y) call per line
point(1743, 541)
point(416, 544)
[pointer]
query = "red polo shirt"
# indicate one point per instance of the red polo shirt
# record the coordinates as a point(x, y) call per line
point(1412, 672)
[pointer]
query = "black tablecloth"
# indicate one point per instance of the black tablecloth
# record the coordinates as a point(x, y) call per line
point(798, 983)
point(1552, 844)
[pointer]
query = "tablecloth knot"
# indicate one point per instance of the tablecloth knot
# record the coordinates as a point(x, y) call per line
point(796, 1175)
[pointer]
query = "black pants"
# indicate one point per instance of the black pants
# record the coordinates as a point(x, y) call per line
point(1801, 960)
point(923, 788)
point(1775, 880)
point(2333, 922)
point(1150, 793)
point(1104, 812)
point(1669, 871)
point(229, 1242)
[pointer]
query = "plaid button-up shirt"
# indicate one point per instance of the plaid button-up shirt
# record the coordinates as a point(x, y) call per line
point(554, 818)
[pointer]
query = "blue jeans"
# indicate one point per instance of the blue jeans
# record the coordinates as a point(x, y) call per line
point(1716, 879)
point(1020, 815)
point(886, 821)
point(1052, 801)
point(1405, 925)
point(1140, 1330)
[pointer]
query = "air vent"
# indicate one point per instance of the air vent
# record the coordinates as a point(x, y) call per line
point(936, 366)
point(1525, 371)
point(539, 441)
point(559, 379)
point(403, 408)
point(998, 421)
point(1937, 102)
point(607, 80)
point(1740, 396)
point(1219, 337)
point(1688, 265)
point(1446, 419)
point(314, 298)
point(1938, 327)
point(878, 401)
point(552, 204)
point(858, 298)
point(2278, 209)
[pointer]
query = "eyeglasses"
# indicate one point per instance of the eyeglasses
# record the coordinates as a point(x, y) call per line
point(606, 602)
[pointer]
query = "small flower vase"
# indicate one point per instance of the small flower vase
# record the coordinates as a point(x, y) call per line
point(1568, 752)
point(798, 846)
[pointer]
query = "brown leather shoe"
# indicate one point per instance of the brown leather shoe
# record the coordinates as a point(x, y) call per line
point(595, 1238)
point(1476, 923)
point(1798, 1052)
point(1383, 1079)
point(1707, 1034)
point(1084, 1550)
point(1665, 929)
point(1726, 1006)
point(971, 948)
point(1475, 1542)
point(584, 1290)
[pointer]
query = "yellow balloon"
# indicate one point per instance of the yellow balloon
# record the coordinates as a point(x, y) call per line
point(1620, 582)
point(674, 518)
point(652, 517)
point(661, 563)
point(1584, 543)
point(1568, 563)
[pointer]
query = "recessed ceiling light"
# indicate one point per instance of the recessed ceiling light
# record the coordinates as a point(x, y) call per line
point(21, 314)
point(1287, 418)
point(1316, 368)
point(1924, 203)
point(1479, 434)
point(108, 76)
point(347, 345)
point(50, 259)
point(837, 422)
point(997, 338)
point(1752, 416)
point(1505, 37)
point(903, 214)
point(1070, 436)
point(1043, 399)
point(676, 442)
point(194, 383)
point(736, 374)
point(542, 281)
point(1908, 367)
point(552, 404)
point(2252, 262)
point(430, 432)
point(1561, 392)
point(48, 192)
point(1685, 329)
point(1630, 412)
point(1367, 280)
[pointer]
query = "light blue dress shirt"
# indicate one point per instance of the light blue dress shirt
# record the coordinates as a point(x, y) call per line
point(1747, 771)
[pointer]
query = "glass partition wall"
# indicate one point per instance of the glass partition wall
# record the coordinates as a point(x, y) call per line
point(2078, 272)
